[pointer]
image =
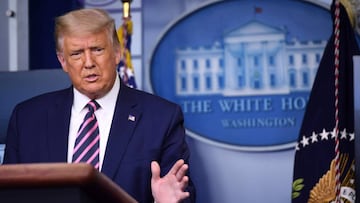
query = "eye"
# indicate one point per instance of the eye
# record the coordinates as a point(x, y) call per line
point(75, 55)
point(98, 50)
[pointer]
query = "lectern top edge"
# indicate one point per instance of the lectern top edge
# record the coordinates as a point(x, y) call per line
point(63, 175)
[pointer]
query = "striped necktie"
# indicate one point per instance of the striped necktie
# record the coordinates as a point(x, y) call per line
point(87, 139)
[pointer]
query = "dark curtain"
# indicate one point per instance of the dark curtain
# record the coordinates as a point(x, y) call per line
point(42, 14)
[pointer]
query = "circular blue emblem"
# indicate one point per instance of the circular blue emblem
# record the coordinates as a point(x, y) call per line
point(242, 70)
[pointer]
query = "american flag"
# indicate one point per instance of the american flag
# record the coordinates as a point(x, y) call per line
point(125, 67)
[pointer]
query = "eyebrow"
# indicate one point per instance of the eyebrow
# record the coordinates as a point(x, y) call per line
point(77, 50)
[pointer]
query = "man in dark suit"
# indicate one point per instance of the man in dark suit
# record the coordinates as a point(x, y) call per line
point(137, 133)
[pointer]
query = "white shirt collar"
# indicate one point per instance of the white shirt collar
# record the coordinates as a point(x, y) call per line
point(80, 100)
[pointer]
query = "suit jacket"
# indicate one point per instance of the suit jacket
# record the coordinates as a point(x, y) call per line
point(39, 127)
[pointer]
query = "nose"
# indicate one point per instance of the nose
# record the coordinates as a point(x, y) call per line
point(89, 61)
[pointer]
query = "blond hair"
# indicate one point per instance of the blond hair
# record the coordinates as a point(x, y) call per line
point(85, 21)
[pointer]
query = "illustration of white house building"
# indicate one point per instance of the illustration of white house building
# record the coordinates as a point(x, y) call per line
point(254, 59)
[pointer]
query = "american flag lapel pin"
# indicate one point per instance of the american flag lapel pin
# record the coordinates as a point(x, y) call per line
point(131, 118)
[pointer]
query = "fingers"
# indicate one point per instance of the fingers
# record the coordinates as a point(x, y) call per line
point(176, 167)
point(170, 188)
point(179, 169)
point(184, 182)
point(180, 174)
point(184, 195)
point(155, 170)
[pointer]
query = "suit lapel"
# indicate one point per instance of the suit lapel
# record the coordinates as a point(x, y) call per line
point(127, 114)
point(58, 128)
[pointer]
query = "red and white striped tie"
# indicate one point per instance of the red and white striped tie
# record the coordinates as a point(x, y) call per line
point(87, 140)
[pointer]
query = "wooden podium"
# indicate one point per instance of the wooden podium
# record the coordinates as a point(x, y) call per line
point(58, 183)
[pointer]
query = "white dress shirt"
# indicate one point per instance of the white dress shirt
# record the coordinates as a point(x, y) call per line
point(104, 116)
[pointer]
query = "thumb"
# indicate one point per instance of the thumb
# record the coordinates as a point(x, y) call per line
point(155, 170)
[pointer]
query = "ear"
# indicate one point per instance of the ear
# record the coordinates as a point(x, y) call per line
point(61, 59)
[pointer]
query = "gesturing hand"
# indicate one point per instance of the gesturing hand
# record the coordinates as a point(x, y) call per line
point(170, 188)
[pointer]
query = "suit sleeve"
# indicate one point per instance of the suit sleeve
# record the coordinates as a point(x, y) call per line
point(175, 148)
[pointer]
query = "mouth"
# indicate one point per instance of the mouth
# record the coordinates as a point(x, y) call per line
point(91, 78)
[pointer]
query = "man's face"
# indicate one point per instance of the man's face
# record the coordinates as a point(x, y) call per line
point(90, 61)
